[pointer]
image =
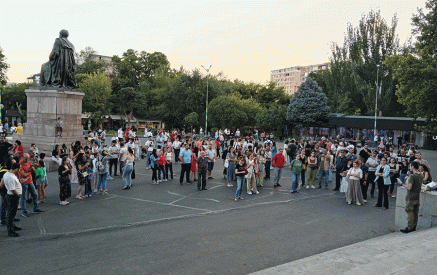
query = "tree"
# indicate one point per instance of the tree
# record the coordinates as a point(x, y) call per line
point(192, 119)
point(309, 105)
point(14, 97)
point(233, 111)
point(97, 90)
point(416, 72)
point(86, 64)
point(3, 68)
point(128, 100)
point(272, 119)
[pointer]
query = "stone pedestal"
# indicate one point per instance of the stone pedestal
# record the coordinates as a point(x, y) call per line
point(43, 109)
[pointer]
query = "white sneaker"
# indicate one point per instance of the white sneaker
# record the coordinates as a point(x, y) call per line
point(63, 203)
point(249, 193)
point(79, 197)
point(95, 190)
point(159, 180)
point(257, 192)
point(313, 187)
point(364, 200)
point(307, 187)
point(165, 180)
point(230, 185)
point(110, 178)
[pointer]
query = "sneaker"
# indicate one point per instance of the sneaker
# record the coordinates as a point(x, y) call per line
point(249, 193)
point(104, 192)
point(313, 187)
point(359, 204)
point(165, 180)
point(229, 185)
point(364, 200)
point(79, 197)
point(110, 178)
point(38, 211)
point(25, 215)
point(257, 192)
point(159, 180)
point(63, 203)
point(307, 187)
point(393, 196)
point(13, 234)
point(95, 190)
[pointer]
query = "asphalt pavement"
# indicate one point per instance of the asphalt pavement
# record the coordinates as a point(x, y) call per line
point(173, 229)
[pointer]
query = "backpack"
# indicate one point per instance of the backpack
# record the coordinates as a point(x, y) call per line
point(100, 165)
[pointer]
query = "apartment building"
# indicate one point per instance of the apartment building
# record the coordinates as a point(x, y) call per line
point(291, 78)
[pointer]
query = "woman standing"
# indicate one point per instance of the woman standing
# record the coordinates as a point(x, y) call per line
point(296, 169)
point(161, 165)
point(74, 151)
point(250, 177)
point(303, 159)
point(394, 175)
point(64, 172)
point(232, 159)
point(274, 149)
point(311, 170)
point(240, 172)
point(383, 180)
point(261, 164)
point(128, 168)
point(194, 157)
point(82, 174)
point(403, 168)
point(154, 165)
point(354, 187)
point(169, 163)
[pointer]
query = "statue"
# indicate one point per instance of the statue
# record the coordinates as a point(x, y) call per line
point(59, 70)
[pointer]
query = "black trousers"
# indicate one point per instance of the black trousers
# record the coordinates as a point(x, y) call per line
point(337, 180)
point(267, 166)
point(169, 167)
point(382, 193)
point(176, 154)
point(371, 180)
point(218, 151)
point(11, 211)
point(113, 162)
point(201, 178)
point(185, 169)
point(3, 208)
point(364, 188)
point(154, 170)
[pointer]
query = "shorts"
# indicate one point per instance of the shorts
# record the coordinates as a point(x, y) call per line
point(41, 181)
point(210, 166)
point(58, 129)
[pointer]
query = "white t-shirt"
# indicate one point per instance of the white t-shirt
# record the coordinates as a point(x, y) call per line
point(176, 144)
point(120, 133)
point(149, 145)
point(12, 183)
point(123, 153)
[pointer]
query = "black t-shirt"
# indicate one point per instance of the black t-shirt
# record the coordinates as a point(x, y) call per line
point(4, 148)
point(3, 190)
point(240, 168)
point(62, 169)
point(403, 168)
point(364, 156)
point(55, 153)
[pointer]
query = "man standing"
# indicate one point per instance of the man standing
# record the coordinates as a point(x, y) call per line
point(113, 158)
point(202, 165)
point(59, 127)
point(340, 167)
point(160, 140)
point(413, 186)
point(278, 162)
point(120, 133)
point(211, 158)
point(351, 155)
point(12, 197)
point(325, 161)
point(122, 156)
point(25, 175)
point(185, 157)
point(149, 145)
point(365, 153)
point(291, 150)
point(372, 162)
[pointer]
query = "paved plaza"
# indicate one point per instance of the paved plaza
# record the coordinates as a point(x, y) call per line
point(173, 229)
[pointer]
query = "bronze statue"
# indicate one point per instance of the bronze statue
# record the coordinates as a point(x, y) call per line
point(59, 70)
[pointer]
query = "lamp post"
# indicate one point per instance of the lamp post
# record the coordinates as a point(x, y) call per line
point(378, 89)
point(206, 113)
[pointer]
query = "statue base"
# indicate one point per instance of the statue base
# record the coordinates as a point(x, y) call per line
point(43, 109)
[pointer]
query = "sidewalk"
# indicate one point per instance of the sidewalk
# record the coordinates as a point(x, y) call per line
point(396, 253)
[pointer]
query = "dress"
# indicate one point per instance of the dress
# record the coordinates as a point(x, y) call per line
point(231, 168)
point(73, 178)
point(261, 174)
point(193, 163)
point(354, 187)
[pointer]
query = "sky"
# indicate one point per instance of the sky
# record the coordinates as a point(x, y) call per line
point(244, 40)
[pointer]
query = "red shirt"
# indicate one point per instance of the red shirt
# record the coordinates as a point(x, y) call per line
point(161, 160)
point(20, 150)
point(25, 167)
point(217, 143)
point(278, 160)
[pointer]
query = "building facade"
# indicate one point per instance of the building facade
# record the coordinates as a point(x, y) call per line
point(291, 78)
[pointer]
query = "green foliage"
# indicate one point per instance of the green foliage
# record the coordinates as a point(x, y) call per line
point(129, 102)
point(233, 111)
point(13, 94)
point(350, 82)
point(309, 105)
point(86, 64)
point(272, 119)
point(3, 68)
point(97, 89)
point(416, 72)
point(191, 119)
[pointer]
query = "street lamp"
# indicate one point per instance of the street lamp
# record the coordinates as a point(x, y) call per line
point(378, 89)
point(206, 114)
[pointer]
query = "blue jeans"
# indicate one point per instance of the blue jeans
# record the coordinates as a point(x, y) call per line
point(127, 175)
point(402, 177)
point(295, 181)
point(122, 164)
point(326, 174)
point(240, 183)
point(278, 172)
point(32, 191)
point(101, 181)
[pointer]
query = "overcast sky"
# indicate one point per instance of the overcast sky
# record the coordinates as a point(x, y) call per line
point(242, 39)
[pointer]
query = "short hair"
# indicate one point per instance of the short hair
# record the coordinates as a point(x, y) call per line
point(42, 155)
point(18, 142)
point(357, 161)
point(41, 163)
point(415, 165)
point(15, 166)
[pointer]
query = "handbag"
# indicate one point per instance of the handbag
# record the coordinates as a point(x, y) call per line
point(226, 163)
point(84, 174)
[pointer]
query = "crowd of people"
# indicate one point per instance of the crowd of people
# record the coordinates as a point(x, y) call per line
point(247, 161)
